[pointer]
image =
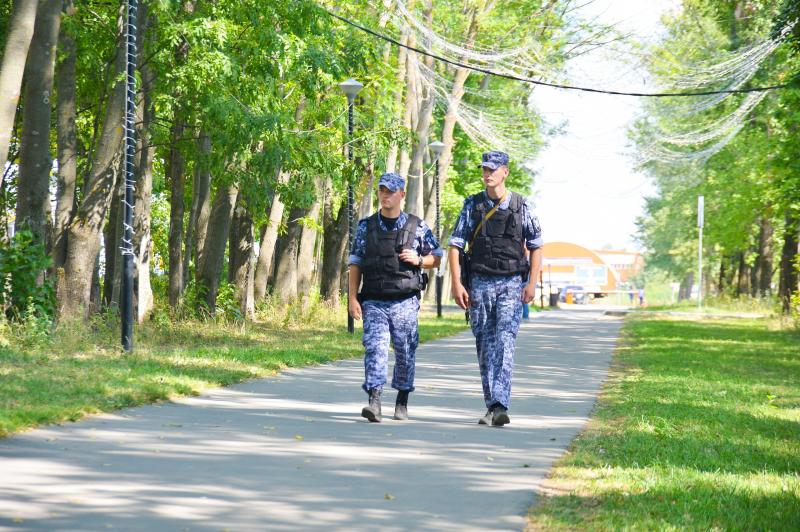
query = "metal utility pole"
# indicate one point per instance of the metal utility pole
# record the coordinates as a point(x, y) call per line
point(351, 88)
point(437, 148)
point(126, 297)
point(700, 206)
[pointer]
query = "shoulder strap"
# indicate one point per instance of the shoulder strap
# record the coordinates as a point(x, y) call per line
point(488, 215)
point(410, 228)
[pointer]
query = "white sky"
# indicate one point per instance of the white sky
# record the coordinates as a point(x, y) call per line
point(587, 190)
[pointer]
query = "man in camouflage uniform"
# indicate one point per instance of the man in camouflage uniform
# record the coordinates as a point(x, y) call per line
point(390, 250)
point(503, 240)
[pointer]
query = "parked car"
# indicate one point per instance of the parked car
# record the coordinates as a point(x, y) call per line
point(579, 297)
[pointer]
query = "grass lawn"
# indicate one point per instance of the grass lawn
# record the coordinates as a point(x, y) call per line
point(81, 369)
point(698, 428)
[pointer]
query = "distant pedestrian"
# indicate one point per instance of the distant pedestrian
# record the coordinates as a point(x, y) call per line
point(390, 250)
point(630, 297)
point(502, 238)
point(641, 297)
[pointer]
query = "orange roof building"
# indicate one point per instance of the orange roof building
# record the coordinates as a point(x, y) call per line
point(565, 263)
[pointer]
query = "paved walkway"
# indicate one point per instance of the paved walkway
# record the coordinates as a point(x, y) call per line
point(293, 453)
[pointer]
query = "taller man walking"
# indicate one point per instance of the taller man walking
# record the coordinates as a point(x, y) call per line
point(502, 239)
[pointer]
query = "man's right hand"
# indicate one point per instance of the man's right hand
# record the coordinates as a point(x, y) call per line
point(461, 295)
point(354, 308)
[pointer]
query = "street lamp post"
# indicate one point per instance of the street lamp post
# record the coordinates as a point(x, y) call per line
point(126, 296)
point(700, 223)
point(437, 148)
point(351, 88)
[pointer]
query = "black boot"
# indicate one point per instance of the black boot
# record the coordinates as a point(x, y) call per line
point(373, 411)
point(401, 406)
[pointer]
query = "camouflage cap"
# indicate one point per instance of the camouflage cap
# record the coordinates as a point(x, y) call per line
point(494, 159)
point(392, 181)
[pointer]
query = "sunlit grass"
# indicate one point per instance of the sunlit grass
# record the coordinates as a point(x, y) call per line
point(80, 369)
point(698, 428)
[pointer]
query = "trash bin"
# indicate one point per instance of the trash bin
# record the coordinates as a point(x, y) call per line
point(554, 300)
point(569, 297)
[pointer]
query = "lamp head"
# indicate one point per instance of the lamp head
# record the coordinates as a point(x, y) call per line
point(351, 88)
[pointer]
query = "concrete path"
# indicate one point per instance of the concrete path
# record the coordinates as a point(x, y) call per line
point(293, 453)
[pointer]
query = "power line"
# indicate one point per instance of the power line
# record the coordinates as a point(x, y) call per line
point(545, 83)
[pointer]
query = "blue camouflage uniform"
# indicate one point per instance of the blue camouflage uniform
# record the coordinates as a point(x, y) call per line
point(495, 303)
point(391, 320)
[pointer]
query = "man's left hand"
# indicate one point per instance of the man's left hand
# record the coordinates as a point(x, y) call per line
point(528, 293)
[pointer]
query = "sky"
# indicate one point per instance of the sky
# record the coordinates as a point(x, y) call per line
point(587, 190)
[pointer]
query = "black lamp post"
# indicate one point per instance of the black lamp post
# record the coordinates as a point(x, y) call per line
point(351, 88)
point(437, 148)
point(126, 296)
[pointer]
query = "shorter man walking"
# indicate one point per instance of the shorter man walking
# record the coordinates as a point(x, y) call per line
point(390, 250)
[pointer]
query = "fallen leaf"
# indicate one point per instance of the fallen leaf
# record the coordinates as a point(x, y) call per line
point(18, 520)
point(526, 465)
point(298, 437)
point(552, 439)
point(490, 458)
point(389, 497)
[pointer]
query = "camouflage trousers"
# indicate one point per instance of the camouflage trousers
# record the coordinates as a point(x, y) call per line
point(495, 312)
point(385, 321)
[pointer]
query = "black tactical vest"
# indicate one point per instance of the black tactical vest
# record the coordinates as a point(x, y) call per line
point(498, 247)
point(385, 275)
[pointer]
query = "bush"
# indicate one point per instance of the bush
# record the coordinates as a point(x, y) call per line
point(24, 290)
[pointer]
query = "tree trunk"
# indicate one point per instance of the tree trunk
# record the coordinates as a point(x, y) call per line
point(67, 142)
point(391, 158)
point(210, 268)
point(112, 234)
point(789, 252)
point(285, 287)
point(201, 187)
point(305, 256)
point(451, 117)
point(35, 159)
point(175, 170)
point(240, 270)
point(83, 240)
point(142, 241)
point(741, 283)
point(334, 245)
point(18, 40)
point(269, 237)
point(204, 197)
point(415, 184)
point(765, 258)
point(410, 112)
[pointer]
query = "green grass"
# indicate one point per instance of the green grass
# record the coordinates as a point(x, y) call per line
point(80, 369)
point(698, 428)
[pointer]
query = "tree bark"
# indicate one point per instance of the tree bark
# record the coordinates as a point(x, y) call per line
point(201, 188)
point(112, 237)
point(451, 117)
point(764, 264)
point(269, 238)
point(240, 271)
point(285, 286)
point(333, 247)
point(204, 197)
point(305, 255)
point(142, 241)
point(12, 67)
point(741, 283)
point(35, 159)
point(67, 142)
point(210, 269)
point(83, 242)
point(175, 171)
point(415, 183)
point(789, 252)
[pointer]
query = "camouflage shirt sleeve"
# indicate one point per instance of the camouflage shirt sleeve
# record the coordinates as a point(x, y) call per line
point(359, 249)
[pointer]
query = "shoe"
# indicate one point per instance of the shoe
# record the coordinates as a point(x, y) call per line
point(373, 411)
point(401, 406)
point(500, 416)
point(486, 419)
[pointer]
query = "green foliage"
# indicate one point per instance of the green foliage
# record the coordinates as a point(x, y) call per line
point(24, 292)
